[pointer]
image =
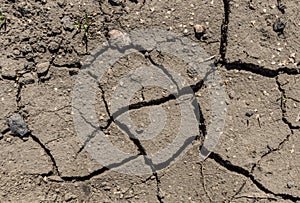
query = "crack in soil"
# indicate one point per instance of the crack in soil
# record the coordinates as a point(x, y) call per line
point(155, 102)
point(98, 172)
point(204, 184)
point(259, 70)
point(255, 198)
point(224, 30)
point(283, 107)
point(238, 191)
point(161, 67)
point(34, 138)
point(55, 170)
point(248, 174)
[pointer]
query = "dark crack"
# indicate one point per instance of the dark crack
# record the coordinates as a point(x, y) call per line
point(132, 137)
point(98, 172)
point(238, 191)
point(283, 107)
point(5, 131)
point(224, 30)
point(260, 70)
point(73, 65)
point(159, 195)
point(271, 150)
point(48, 152)
point(18, 96)
point(240, 170)
point(104, 100)
point(155, 102)
point(161, 67)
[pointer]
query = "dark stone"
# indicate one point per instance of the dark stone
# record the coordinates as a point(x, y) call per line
point(249, 113)
point(17, 125)
point(279, 26)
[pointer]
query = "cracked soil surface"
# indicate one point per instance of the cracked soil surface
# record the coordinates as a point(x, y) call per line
point(256, 47)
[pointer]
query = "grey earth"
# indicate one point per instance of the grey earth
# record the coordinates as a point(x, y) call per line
point(254, 46)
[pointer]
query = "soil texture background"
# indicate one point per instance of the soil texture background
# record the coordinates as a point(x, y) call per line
point(255, 47)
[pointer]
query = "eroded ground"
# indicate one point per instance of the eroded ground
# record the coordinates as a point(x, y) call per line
point(256, 48)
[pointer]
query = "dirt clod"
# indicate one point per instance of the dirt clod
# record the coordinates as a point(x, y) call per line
point(42, 67)
point(17, 125)
point(279, 26)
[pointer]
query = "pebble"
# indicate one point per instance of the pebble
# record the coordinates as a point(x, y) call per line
point(42, 67)
point(67, 24)
point(185, 31)
point(279, 26)
point(55, 178)
point(293, 55)
point(61, 3)
point(249, 113)
point(27, 78)
point(118, 39)
point(231, 95)
point(290, 185)
point(53, 46)
point(199, 31)
point(17, 125)
point(116, 2)
point(69, 196)
point(7, 72)
point(27, 49)
point(16, 52)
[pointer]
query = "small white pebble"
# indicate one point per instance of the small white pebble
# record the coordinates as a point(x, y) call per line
point(265, 93)
point(293, 55)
